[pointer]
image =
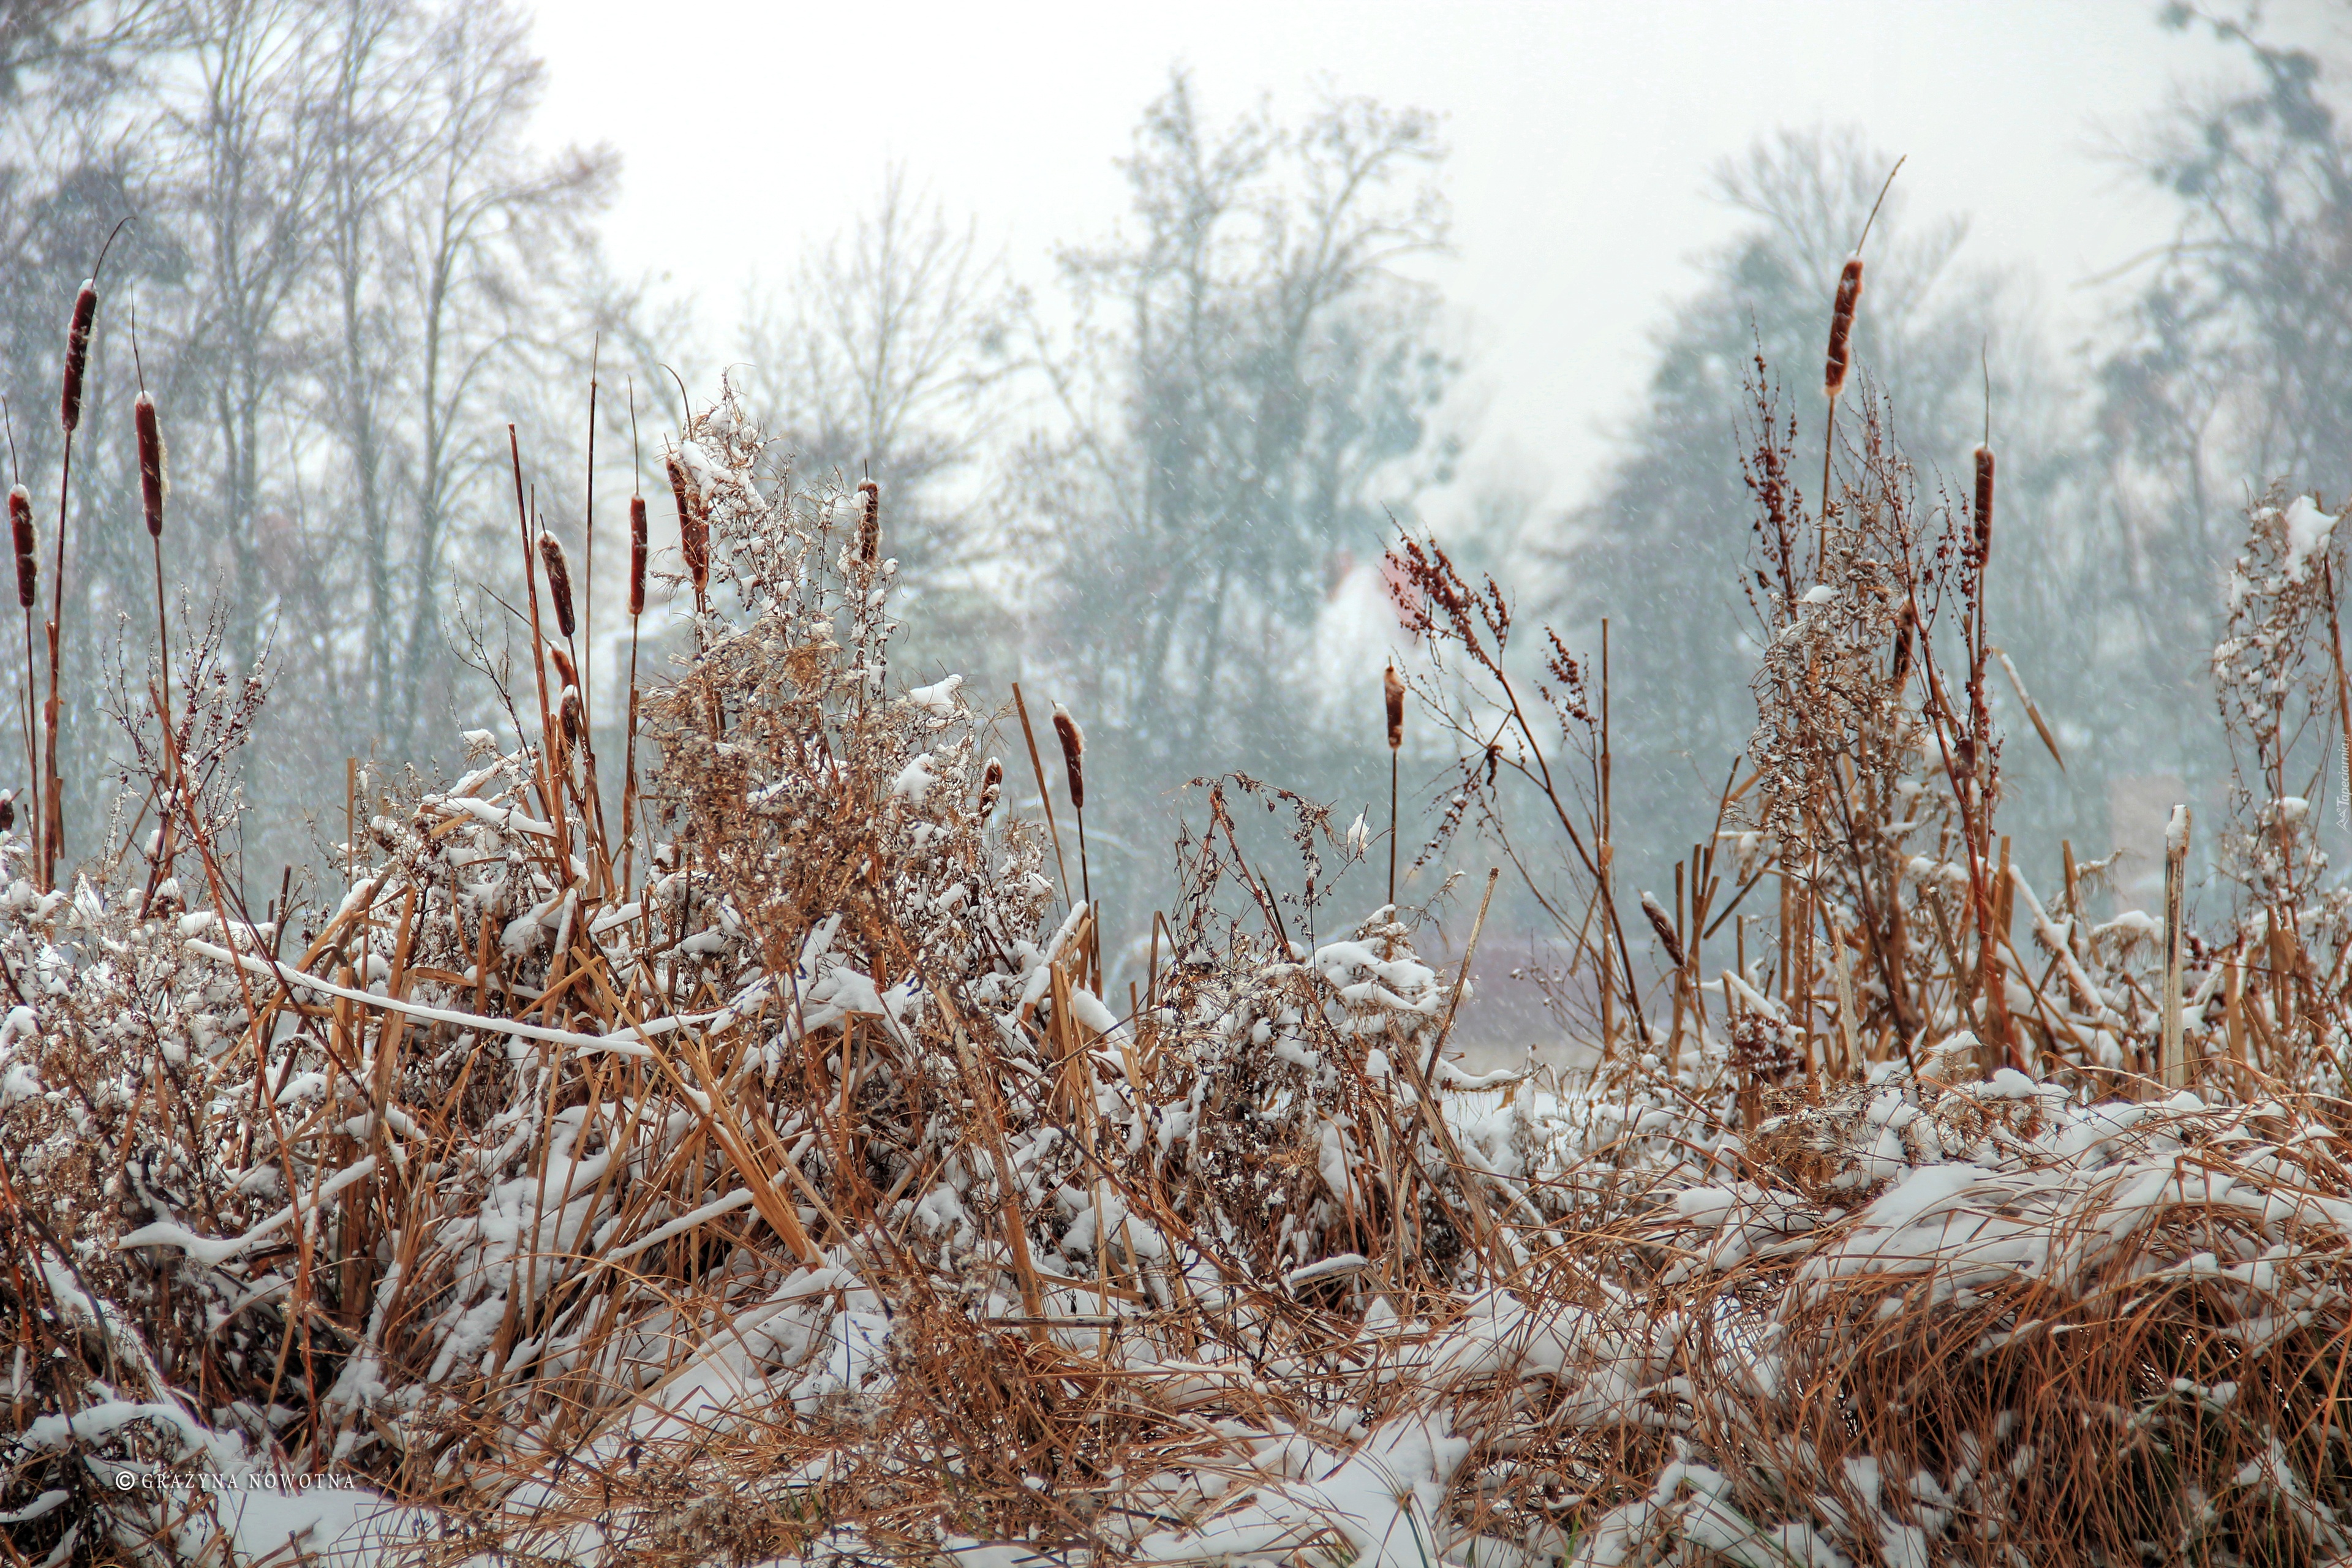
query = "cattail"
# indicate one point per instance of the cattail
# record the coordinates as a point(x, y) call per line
point(559, 582)
point(1074, 751)
point(1664, 924)
point(564, 673)
point(991, 785)
point(574, 722)
point(869, 523)
point(636, 555)
point(8, 810)
point(151, 463)
point(85, 311)
point(1903, 626)
point(693, 524)
point(1392, 688)
point(1984, 503)
point(20, 525)
point(1849, 294)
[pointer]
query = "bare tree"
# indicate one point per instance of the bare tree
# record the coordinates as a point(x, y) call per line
point(1249, 394)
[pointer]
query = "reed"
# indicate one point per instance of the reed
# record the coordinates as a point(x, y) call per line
point(1045, 796)
point(1074, 765)
point(1839, 359)
point(639, 551)
point(1393, 696)
point(79, 326)
point(693, 530)
point(483, 1184)
point(150, 431)
point(870, 524)
point(20, 529)
point(558, 585)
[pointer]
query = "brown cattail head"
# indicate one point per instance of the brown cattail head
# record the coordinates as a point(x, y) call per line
point(565, 675)
point(1392, 689)
point(1849, 294)
point(85, 311)
point(20, 526)
point(1984, 503)
point(1664, 924)
point(151, 463)
point(559, 583)
point(869, 523)
point(693, 524)
point(1074, 751)
point(574, 722)
point(8, 810)
point(1903, 626)
point(991, 785)
point(636, 555)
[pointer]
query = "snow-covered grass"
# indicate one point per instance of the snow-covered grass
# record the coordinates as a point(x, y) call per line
point(786, 1185)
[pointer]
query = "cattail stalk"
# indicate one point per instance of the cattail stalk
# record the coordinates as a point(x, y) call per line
point(1045, 799)
point(2173, 1063)
point(85, 313)
point(693, 529)
point(637, 553)
point(1983, 521)
point(1841, 350)
point(1073, 753)
point(20, 528)
point(1392, 692)
point(870, 524)
point(151, 497)
point(1839, 360)
point(77, 368)
point(550, 791)
point(558, 584)
point(588, 528)
point(636, 556)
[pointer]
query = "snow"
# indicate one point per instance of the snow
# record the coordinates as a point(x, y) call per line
point(938, 700)
point(915, 781)
point(2308, 531)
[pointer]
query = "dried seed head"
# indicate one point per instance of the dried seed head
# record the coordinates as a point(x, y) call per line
point(1849, 295)
point(869, 523)
point(1984, 503)
point(992, 786)
point(85, 311)
point(693, 524)
point(20, 526)
point(8, 810)
point(575, 723)
point(559, 583)
point(1074, 751)
point(1903, 626)
point(565, 673)
point(151, 463)
point(636, 555)
point(1392, 689)
point(1664, 924)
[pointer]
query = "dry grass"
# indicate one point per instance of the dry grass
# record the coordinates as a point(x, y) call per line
point(804, 1195)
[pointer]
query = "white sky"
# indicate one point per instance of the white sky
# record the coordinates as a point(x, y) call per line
point(1581, 137)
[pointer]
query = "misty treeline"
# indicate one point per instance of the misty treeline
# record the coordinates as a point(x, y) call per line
point(2126, 462)
point(1151, 476)
point(346, 269)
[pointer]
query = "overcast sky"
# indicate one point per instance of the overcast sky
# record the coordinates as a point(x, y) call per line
point(1581, 137)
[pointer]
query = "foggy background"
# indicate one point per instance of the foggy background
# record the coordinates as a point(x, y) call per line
point(1152, 329)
